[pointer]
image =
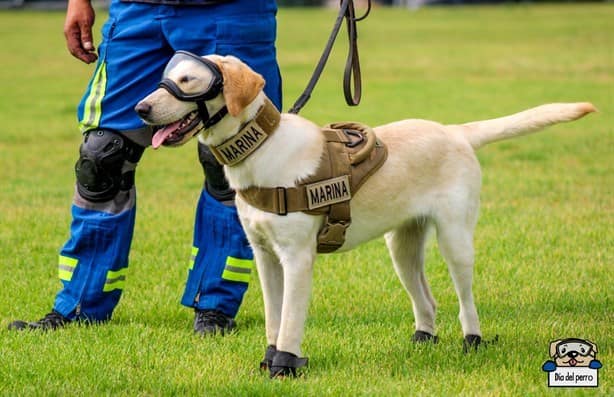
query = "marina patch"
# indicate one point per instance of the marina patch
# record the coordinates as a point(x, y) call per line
point(329, 191)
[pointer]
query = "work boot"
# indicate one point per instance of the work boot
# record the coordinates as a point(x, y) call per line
point(209, 322)
point(51, 321)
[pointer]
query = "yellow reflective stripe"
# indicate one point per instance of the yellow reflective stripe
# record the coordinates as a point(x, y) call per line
point(66, 267)
point(92, 108)
point(115, 280)
point(242, 263)
point(232, 276)
point(193, 257)
point(238, 269)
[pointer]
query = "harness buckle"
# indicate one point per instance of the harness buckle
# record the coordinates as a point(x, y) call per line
point(282, 201)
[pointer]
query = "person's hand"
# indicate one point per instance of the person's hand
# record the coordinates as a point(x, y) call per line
point(80, 18)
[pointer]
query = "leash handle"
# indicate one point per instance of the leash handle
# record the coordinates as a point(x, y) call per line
point(351, 75)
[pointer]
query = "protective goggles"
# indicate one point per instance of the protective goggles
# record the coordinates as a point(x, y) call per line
point(188, 68)
point(573, 345)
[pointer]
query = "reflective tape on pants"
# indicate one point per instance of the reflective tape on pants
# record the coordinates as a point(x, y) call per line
point(66, 267)
point(115, 280)
point(92, 111)
point(238, 269)
point(193, 257)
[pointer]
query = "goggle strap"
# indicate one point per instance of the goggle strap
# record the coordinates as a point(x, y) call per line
point(203, 113)
point(216, 117)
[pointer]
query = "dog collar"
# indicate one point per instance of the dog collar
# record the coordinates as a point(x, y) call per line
point(253, 134)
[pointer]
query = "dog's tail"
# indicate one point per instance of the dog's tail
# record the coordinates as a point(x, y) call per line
point(480, 133)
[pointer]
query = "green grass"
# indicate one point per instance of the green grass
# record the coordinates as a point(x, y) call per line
point(544, 240)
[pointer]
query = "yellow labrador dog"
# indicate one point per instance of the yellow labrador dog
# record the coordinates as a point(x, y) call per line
point(431, 178)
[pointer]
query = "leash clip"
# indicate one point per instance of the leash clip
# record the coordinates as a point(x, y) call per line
point(354, 142)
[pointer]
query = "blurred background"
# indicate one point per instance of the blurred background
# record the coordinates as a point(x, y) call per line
point(61, 4)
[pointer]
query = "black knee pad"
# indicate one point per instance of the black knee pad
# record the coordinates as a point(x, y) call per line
point(100, 169)
point(215, 180)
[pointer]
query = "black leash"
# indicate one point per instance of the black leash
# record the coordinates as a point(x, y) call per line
point(352, 64)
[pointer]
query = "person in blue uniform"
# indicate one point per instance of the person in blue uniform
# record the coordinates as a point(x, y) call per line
point(138, 39)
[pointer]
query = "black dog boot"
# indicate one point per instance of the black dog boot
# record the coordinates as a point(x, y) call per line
point(267, 361)
point(285, 364)
point(423, 337)
point(471, 342)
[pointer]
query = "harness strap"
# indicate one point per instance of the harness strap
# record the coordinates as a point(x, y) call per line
point(338, 219)
point(279, 200)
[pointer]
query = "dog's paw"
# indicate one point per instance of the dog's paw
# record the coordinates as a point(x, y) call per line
point(285, 364)
point(472, 342)
point(267, 361)
point(423, 337)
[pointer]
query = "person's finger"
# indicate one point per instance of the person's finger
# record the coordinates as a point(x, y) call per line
point(86, 37)
point(73, 42)
point(79, 49)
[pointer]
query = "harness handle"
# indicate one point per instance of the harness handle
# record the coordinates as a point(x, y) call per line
point(351, 75)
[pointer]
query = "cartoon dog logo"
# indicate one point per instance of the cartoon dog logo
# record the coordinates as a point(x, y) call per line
point(572, 352)
point(573, 363)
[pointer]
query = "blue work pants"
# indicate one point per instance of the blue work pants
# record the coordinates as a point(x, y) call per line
point(138, 39)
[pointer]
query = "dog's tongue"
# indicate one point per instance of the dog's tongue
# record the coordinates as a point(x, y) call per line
point(573, 362)
point(160, 136)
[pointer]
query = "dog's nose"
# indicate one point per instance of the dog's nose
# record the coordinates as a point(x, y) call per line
point(143, 109)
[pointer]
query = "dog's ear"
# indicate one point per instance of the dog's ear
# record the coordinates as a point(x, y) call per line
point(553, 344)
point(241, 84)
point(594, 346)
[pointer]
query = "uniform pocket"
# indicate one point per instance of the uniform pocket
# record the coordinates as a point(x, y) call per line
point(108, 28)
point(246, 30)
point(252, 40)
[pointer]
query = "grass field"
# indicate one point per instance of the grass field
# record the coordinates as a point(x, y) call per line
point(544, 241)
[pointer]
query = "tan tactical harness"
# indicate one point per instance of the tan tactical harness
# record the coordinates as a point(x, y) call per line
point(352, 153)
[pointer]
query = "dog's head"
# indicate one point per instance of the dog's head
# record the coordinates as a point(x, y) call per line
point(196, 92)
point(572, 352)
